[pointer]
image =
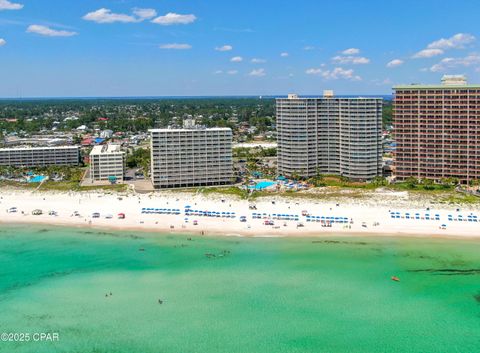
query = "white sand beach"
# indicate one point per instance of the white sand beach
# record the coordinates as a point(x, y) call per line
point(148, 212)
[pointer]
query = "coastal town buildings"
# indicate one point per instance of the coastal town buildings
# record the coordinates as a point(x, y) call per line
point(437, 130)
point(329, 135)
point(192, 156)
point(40, 156)
point(107, 162)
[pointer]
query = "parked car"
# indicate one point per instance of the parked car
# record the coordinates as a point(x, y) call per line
point(12, 210)
point(108, 216)
point(37, 212)
point(243, 219)
point(95, 215)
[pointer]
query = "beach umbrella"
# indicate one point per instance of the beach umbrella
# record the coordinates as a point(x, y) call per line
point(188, 206)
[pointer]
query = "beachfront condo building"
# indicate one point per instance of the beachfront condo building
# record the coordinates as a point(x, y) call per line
point(107, 163)
point(329, 135)
point(193, 156)
point(437, 130)
point(40, 156)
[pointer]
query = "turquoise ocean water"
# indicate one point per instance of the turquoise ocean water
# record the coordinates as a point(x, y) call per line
point(225, 294)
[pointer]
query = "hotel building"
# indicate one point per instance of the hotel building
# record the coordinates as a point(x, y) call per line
point(107, 162)
point(329, 135)
point(39, 156)
point(437, 130)
point(193, 156)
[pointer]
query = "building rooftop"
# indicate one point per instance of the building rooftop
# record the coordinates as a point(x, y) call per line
point(421, 86)
point(104, 149)
point(38, 148)
point(192, 129)
point(448, 82)
point(327, 94)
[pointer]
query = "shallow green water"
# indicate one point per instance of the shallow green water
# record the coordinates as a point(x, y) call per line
point(254, 295)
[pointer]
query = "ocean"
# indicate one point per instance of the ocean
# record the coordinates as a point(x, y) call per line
point(103, 291)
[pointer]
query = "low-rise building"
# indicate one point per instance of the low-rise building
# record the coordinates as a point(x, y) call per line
point(107, 163)
point(40, 156)
point(106, 134)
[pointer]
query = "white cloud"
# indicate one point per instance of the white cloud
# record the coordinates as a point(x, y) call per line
point(427, 53)
point(144, 14)
point(174, 19)
point(104, 15)
point(236, 59)
point(8, 5)
point(258, 61)
point(284, 54)
point(2, 42)
point(438, 47)
point(395, 63)
point(224, 48)
point(218, 72)
point(257, 73)
point(48, 32)
point(177, 46)
point(232, 72)
point(335, 74)
point(450, 63)
point(351, 59)
point(308, 47)
point(457, 41)
point(351, 51)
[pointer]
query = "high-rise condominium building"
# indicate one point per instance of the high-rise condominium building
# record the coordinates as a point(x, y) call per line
point(437, 129)
point(329, 135)
point(193, 156)
point(107, 162)
point(39, 156)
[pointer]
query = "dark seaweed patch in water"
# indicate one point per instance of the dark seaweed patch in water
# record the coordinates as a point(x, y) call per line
point(450, 271)
point(38, 317)
point(339, 242)
point(58, 274)
point(108, 234)
point(43, 230)
point(477, 298)
point(222, 254)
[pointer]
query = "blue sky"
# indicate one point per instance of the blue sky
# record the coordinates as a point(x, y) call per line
point(64, 48)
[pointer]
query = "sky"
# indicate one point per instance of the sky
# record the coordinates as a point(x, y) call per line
point(93, 48)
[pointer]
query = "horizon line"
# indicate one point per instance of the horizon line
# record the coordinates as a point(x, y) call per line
point(185, 97)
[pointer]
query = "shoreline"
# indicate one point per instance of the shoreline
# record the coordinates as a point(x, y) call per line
point(191, 232)
point(360, 220)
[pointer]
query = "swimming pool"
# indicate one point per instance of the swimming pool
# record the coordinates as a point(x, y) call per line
point(37, 179)
point(262, 185)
